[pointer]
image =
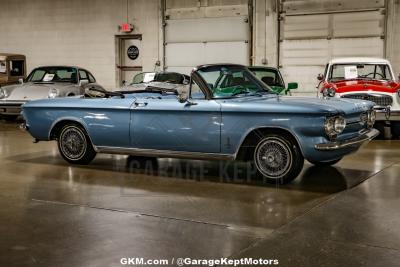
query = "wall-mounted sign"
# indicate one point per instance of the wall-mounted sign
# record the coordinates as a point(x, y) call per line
point(133, 52)
point(126, 27)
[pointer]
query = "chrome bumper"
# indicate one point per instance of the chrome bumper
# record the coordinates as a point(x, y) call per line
point(11, 107)
point(386, 114)
point(364, 137)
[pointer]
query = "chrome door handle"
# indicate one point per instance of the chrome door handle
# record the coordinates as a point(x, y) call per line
point(140, 104)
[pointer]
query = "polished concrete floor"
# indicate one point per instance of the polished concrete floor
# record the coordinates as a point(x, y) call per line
point(54, 214)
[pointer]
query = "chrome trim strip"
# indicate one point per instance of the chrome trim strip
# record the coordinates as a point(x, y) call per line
point(163, 153)
point(364, 137)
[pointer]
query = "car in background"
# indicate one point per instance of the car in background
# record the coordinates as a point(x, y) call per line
point(219, 118)
point(44, 82)
point(370, 79)
point(273, 78)
point(163, 76)
point(12, 68)
point(167, 80)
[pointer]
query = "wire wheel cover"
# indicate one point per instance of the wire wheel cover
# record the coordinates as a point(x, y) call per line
point(73, 143)
point(273, 157)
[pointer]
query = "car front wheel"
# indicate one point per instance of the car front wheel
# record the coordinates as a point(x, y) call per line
point(278, 159)
point(74, 145)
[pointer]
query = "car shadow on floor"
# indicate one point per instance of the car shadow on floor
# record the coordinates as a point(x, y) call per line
point(328, 179)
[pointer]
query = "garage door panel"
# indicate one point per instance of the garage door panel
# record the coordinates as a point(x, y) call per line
point(227, 52)
point(310, 26)
point(184, 54)
point(353, 47)
point(367, 23)
point(304, 52)
point(194, 54)
point(305, 76)
point(206, 30)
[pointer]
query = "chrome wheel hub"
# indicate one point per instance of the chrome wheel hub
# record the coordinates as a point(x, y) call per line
point(273, 157)
point(73, 143)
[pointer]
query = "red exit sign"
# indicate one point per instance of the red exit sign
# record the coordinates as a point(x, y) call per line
point(126, 27)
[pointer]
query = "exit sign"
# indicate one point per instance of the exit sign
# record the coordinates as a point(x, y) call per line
point(126, 27)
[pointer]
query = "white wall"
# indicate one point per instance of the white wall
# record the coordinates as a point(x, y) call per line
point(77, 32)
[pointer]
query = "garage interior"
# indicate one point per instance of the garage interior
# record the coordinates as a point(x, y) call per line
point(57, 214)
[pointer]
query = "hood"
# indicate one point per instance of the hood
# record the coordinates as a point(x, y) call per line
point(33, 91)
point(302, 105)
point(365, 85)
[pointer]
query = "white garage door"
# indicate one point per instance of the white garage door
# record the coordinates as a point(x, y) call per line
point(206, 37)
point(309, 41)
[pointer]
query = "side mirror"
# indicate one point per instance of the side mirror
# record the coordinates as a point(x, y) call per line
point(123, 83)
point(83, 82)
point(21, 81)
point(320, 77)
point(292, 86)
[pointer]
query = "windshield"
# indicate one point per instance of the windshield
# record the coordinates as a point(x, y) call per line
point(270, 77)
point(53, 74)
point(359, 71)
point(229, 81)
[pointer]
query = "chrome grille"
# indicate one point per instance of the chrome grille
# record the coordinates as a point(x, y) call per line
point(380, 100)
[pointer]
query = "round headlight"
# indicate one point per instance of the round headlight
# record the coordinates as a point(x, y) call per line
point(329, 92)
point(339, 125)
point(2, 94)
point(329, 127)
point(334, 126)
point(53, 93)
point(371, 118)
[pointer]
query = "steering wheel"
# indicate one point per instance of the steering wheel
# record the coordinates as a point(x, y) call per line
point(372, 73)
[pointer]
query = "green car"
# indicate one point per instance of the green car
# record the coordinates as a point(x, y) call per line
point(273, 78)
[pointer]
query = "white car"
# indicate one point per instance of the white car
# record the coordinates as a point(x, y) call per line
point(370, 79)
point(44, 82)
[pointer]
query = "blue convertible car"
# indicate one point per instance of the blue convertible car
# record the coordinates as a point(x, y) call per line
point(226, 113)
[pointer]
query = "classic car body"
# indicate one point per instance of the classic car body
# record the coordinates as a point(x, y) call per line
point(251, 123)
point(12, 68)
point(273, 78)
point(365, 78)
point(45, 82)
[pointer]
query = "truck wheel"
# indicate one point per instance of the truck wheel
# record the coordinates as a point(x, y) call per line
point(278, 159)
point(74, 145)
point(325, 163)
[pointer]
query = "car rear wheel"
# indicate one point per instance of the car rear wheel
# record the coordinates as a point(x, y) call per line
point(278, 159)
point(74, 145)
point(325, 163)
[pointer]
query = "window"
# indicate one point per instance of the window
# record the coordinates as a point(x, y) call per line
point(53, 74)
point(196, 92)
point(270, 77)
point(83, 75)
point(231, 80)
point(17, 68)
point(91, 78)
point(356, 71)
